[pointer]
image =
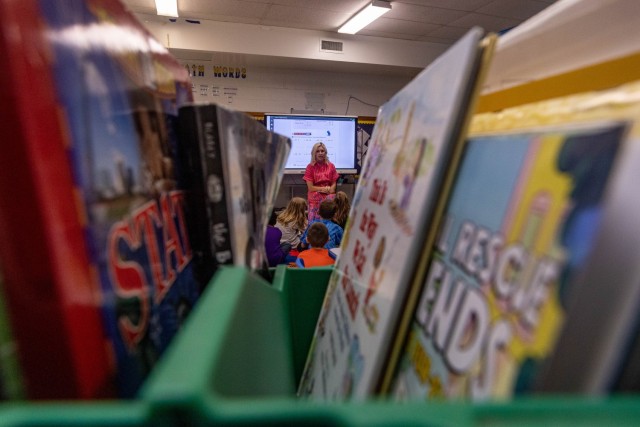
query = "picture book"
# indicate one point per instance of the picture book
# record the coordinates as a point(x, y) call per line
point(601, 311)
point(233, 170)
point(518, 229)
point(417, 134)
point(603, 306)
point(95, 253)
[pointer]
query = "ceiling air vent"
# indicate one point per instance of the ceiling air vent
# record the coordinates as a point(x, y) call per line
point(330, 46)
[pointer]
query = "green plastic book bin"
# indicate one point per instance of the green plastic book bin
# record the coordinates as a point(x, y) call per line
point(240, 355)
point(77, 414)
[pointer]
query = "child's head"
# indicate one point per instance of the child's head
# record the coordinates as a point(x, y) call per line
point(317, 235)
point(273, 218)
point(296, 211)
point(342, 198)
point(327, 209)
point(343, 206)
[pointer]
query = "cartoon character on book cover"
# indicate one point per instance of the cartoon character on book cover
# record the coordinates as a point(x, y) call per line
point(121, 101)
point(518, 227)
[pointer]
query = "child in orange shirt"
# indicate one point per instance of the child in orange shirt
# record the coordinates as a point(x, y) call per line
point(317, 255)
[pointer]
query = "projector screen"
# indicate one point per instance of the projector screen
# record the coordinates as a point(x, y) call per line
point(338, 133)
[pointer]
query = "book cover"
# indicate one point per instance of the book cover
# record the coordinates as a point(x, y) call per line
point(602, 310)
point(234, 168)
point(416, 134)
point(96, 258)
point(603, 305)
point(519, 228)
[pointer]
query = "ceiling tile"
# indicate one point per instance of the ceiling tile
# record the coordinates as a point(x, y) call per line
point(433, 15)
point(487, 22)
point(448, 32)
point(518, 9)
point(226, 8)
point(465, 5)
point(374, 33)
point(445, 42)
point(298, 17)
point(140, 6)
point(342, 6)
point(224, 18)
point(428, 20)
point(398, 26)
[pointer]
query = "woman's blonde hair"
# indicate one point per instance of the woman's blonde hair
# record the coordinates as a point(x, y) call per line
point(343, 206)
point(295, 212)
point(315, 148)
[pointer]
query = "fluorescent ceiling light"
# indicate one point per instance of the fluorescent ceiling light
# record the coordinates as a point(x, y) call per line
point(167, 7)
point(366, 16)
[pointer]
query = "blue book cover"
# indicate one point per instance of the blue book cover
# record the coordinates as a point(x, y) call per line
point(518, 230)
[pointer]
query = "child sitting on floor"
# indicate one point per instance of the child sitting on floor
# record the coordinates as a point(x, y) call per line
point(326, 211)
point(292, 222)
point(317, 255)
point(276, 251)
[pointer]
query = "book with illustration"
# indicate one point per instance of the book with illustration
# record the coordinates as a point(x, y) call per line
point(233, 168)
point(531, 265)
point(414, 144)
point(95, 253)
point(518, 227)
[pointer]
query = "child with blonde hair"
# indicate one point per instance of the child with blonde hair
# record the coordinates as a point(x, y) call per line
point(292, 221)
point(343, 206)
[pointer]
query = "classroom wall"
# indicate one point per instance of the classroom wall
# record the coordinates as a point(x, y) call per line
point(279, 90)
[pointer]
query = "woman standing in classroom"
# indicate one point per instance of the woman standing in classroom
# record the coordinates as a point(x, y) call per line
point(321, 177)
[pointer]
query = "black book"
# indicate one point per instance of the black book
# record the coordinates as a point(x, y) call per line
point(231, 168)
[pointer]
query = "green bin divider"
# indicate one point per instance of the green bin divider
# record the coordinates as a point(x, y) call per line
point(303, 290)
point(77, 414)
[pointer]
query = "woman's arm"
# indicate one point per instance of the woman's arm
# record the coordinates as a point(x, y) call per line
point(320, 189)
point(335, 176)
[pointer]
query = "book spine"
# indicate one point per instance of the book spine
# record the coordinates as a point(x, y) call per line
point(195, 209)
point(215, 185)
point(202, 178)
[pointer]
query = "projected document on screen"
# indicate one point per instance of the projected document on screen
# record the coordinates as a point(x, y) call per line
point(337, 133)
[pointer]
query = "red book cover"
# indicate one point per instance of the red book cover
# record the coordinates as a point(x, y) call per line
point(94, 252)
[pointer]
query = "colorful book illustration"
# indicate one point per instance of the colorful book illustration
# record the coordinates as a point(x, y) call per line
point(519, 227)
point(604, 302)
point(416, 135)
point(95, 253)
point(602, 313)
point(233, 170)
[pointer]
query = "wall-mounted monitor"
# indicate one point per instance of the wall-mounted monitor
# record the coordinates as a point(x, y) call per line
point(338, 133)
